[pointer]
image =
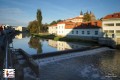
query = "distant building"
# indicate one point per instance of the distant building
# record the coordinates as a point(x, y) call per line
point(20, 28)
point(111, 25)
point(80, 18)
point(83, 29)
point(76, 19)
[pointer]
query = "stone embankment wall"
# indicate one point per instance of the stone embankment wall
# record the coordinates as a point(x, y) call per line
point(111, 42)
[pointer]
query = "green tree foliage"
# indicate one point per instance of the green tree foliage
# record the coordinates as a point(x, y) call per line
point(33, 27)
point(87, 17)
point(45, 27)
point(39, 19)
point(55, 22)
point(36, 44)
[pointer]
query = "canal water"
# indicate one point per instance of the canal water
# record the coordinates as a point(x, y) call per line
point(102, 66)
point(35, 45)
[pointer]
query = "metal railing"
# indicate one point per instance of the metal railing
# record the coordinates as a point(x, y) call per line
point(8, 58)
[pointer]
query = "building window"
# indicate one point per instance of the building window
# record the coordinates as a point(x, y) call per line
point(76, 32)
point(117, 31)
point(88, 32)
point(82, 32)
point(72, 32)
point(96, 32)
point(117, 24)
point(109, 24)
point(111, 31)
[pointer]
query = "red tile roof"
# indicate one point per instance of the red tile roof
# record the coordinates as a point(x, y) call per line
point(92, 24)
point(114, 15)
point(62, 22)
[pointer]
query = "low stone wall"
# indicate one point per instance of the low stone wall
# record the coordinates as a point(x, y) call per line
point(33, 65)
point(107, 42)
point(83, 37)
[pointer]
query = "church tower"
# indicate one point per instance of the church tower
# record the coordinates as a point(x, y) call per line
point(81, 14)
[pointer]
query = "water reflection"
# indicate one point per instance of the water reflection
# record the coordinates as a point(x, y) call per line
point(36, 44)
point(62, 45)
point(22, 35)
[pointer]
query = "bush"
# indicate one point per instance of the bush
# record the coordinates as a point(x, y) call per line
point(47, 36)
point(57, 38)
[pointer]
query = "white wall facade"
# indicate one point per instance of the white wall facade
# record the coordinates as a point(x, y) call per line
point(83, 32)
point(60, 29)
point(111, 28)
point(52, 29)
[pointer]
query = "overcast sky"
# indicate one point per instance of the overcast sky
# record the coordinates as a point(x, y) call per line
point(21, 12)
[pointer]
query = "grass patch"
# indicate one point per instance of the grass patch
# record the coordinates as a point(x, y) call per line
point(60, 38)
point(46, 36)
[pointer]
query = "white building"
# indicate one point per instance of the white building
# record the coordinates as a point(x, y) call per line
point(89, 29)
point(19, 28)
point(53, 29)
point(76, 27)
point(111, 25)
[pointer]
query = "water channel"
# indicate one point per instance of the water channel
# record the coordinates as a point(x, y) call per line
point(103, 66)
point(35, 45)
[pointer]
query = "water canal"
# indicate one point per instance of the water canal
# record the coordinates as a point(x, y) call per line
point(35, 45)
point(102, 66)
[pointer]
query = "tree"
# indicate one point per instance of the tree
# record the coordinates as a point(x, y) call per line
point(33, 27)
point(35, 43)
point(45, 27)
point(87, 17)
point(55, 22)
point(39, 19)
